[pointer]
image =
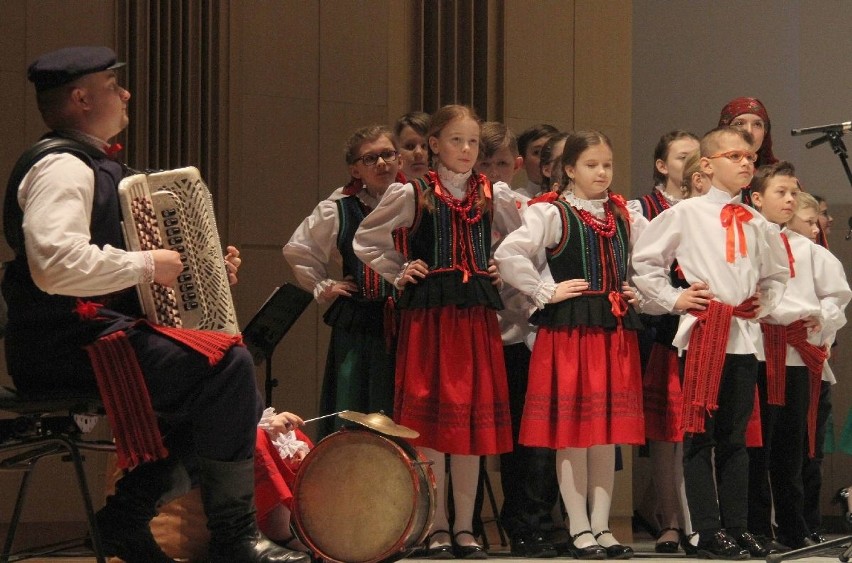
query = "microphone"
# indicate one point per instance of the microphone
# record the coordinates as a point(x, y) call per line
point(838, 127)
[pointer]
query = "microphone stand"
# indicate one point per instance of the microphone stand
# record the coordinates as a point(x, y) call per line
point(835, 139)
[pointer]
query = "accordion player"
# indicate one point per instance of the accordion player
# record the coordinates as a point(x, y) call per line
point(173, 210)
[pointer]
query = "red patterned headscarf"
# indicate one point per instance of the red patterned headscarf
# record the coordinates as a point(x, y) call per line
point(739, 106)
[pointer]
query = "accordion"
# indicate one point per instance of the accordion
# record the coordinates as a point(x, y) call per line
point(173, 210)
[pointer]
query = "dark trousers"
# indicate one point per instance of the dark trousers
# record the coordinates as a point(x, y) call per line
point(217, 406)
point(718, 455)
point(784, 430)
point(812, 467)
point(528, 475)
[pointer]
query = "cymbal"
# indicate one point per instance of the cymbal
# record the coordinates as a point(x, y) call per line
point(380, 423)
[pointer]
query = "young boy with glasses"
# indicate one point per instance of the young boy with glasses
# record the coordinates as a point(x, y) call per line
point(736, 268)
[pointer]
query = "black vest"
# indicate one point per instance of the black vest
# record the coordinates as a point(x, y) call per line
point(43, 329)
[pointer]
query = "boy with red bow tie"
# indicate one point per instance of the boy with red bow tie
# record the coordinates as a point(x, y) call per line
point(736, 266)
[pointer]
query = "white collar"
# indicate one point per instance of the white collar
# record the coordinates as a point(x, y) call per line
point(593, 206)
point(455, 182)
point(721, 196)
point(671, 200)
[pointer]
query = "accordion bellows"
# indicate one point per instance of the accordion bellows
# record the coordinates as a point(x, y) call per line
point(173, 210)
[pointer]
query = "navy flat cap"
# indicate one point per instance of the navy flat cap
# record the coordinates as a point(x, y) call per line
point(61, 67)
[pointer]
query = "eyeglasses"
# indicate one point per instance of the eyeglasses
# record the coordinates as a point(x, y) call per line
point(737, 156)
point(371, 159)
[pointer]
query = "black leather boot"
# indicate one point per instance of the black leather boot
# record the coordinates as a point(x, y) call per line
point(124, 522)
point(227, 490)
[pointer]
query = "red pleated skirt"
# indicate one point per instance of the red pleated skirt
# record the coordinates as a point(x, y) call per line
point(451, 384)
point(273, 477)
point(585, 389)
point(663, 395)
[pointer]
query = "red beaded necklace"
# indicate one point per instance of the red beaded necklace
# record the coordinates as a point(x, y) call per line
point(605, 227)
point(461, 207)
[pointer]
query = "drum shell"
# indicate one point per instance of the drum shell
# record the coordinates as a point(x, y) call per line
point(363, 497)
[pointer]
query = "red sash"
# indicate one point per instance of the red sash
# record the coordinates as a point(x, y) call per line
point(705, 360)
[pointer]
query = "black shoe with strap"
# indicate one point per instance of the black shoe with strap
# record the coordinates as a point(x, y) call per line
point(474, 551)
point(687, 545)
point(594, 551)
point(616, 551)
point(668, 546)
point(440, 551)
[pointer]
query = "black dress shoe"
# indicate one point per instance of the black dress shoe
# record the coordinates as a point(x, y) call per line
point(818, 537)
point(594, 551)
point(686, 544)
point(533, 545)
point(720, 546)
point(841, 497)
point(752, 544)
point(797, 543)
point(668, 546)
point(475, 551)
point(616, 551)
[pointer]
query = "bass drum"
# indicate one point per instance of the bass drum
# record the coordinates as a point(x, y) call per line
point(363, 497)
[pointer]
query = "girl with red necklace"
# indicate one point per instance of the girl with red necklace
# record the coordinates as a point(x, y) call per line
point(570, 257)
point(661, 379)
point(450, 376)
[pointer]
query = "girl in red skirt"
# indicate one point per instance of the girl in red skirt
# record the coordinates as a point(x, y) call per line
point(585, 388)
point(450, 377)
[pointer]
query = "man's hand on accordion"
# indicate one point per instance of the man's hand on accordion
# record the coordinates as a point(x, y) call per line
point(167, 266)
point(232, 263)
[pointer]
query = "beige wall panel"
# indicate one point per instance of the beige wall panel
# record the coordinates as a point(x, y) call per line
point(354, 51)
point(52, 24)
point(13, 96)
point(337, 122)
point(295, 358)
point(276, 186)
point(602, 78)
point(13, 45)
point(539, 60)
point(279, 47)
point(400, 58)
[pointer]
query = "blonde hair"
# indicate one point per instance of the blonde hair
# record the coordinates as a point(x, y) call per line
point(807, 201)
point(691, 165)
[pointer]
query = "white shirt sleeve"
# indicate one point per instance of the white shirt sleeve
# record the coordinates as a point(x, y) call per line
point(652, 257)
point(373, 243)
point(832, 289)
point(521, 257)
point(313, 246)
point(56, 197)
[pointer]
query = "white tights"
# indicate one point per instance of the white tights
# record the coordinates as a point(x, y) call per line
point(586, 477)
point(465, 477)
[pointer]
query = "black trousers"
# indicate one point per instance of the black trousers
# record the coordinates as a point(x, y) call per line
point(784, 430)
point(718, 455)
point(528, 475)
point(812, 467)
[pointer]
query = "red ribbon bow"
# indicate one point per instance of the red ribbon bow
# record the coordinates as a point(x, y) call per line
point(733, 217)
point(113, 149)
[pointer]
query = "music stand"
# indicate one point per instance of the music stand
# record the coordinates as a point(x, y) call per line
point(269, 325)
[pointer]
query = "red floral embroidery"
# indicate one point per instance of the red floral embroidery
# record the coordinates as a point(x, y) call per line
point(87, 310)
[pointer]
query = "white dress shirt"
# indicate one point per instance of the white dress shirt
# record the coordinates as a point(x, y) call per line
point(691, 232)
point(56, 197)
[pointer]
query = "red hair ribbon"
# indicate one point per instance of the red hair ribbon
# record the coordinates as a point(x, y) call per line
point(733, 217)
